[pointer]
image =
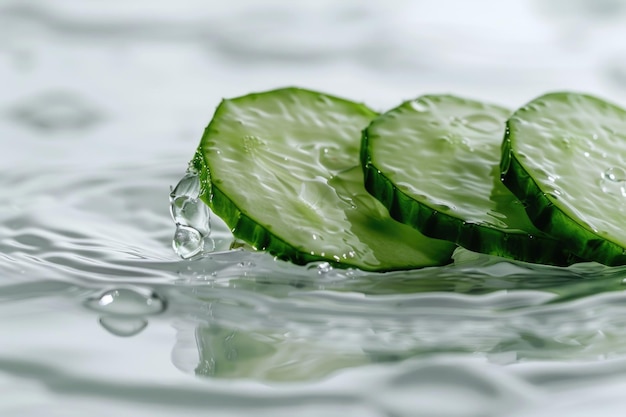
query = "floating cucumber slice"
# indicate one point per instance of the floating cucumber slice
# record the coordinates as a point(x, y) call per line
point(281, 168)
point(434, 163)
point(564, 155)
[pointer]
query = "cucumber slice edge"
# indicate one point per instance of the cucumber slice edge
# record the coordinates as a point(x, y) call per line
point(508, 243)
point(251, 230)
point(540, 204)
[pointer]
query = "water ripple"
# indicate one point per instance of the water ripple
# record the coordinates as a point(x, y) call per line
point(56, 111)
point(242, 314)
point(104, 104)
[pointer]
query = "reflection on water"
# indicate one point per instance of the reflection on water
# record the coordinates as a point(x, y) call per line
point(102, 106)
point(124, 310)
point(277, 328)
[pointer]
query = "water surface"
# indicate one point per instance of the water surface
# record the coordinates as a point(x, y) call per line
point(102, 106)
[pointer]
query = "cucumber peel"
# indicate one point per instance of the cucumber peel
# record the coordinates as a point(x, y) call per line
point(281, 168)
point(434, 163)
point(564, 156)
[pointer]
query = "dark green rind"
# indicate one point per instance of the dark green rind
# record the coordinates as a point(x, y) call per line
point(518, 245)
point(522, 247)
point(261, 238)
point(550, 218)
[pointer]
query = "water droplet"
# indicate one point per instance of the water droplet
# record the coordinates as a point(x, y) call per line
point(324, 268)
point(613, 181)
point(615, 174)
point(419, 106)
point(191, 212)
point(188, 186)
point(187, 242)
point(192, 217)
point(123, 326)
point(127, 302)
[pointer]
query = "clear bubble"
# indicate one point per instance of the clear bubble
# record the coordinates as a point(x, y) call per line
point(127, 302)
point(123, 326)
point(615, 174)
point(187, 242)
point(613, 181)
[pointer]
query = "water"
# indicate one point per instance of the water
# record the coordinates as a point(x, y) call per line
point(614, 181)
point(191, 216)
point(101, 109)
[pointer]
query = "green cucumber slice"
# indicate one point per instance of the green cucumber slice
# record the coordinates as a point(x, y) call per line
point(434, 163)
point(282, 169)
point(564, 155)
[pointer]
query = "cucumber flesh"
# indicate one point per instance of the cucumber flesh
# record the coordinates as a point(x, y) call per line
point(281, 168)
point(434, 163)
point(564, 155)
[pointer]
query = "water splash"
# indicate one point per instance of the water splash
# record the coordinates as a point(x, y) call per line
point(192, 218)
point(188, 211)
point(188, 186)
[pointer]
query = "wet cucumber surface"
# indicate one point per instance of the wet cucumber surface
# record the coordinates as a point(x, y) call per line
point(282, 169)
point(564, 155)
point(434, 163)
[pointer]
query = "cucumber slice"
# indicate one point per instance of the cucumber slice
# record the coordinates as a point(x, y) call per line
point(564, 155)
point(434, 163)
point(281, 168)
